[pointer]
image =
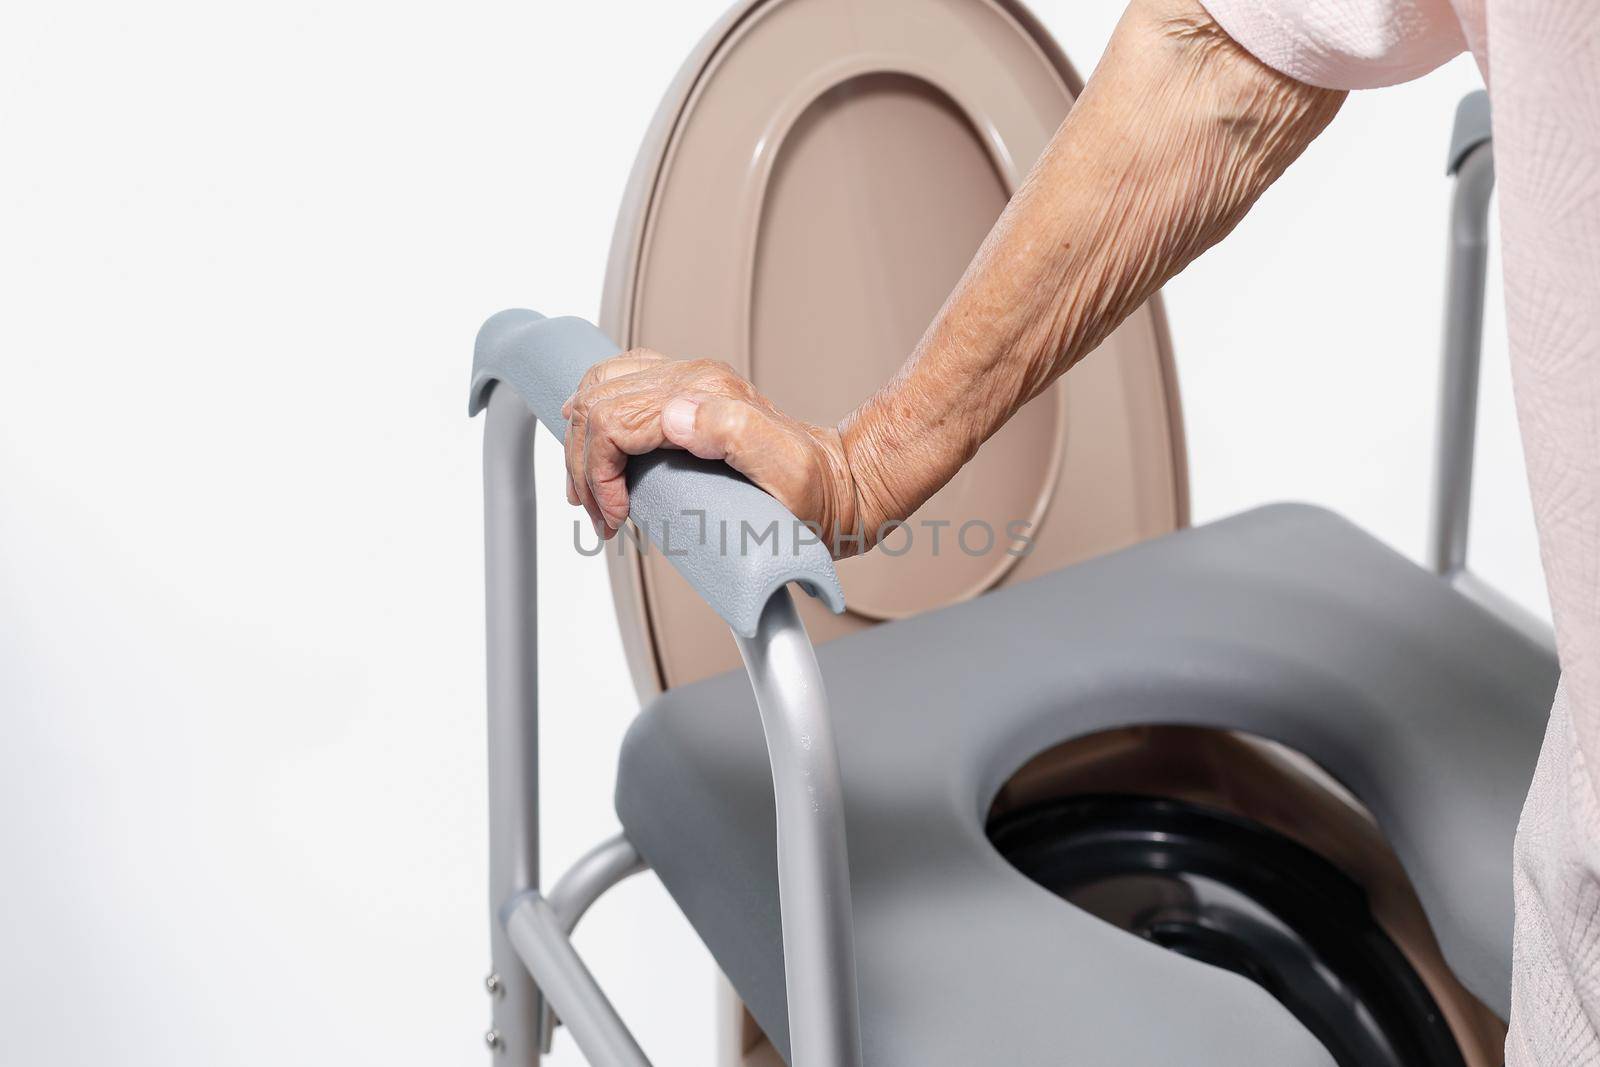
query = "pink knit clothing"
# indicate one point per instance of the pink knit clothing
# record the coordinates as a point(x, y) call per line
point(1541, 60)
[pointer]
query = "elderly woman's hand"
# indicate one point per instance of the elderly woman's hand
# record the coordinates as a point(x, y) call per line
point(1172, 140)
point(641, 401)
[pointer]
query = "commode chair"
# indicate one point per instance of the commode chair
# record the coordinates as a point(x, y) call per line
point(1146, 795)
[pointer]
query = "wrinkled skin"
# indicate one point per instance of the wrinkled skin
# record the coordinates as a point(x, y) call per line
point(641, 400)
point(1174, 138)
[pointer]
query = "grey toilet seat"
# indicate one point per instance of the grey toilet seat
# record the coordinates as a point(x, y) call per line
point(1286, 622)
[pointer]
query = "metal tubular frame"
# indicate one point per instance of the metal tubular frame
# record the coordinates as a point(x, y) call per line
point(819, 959)
point(585, 882)
point(513, 691)
point(1458, 393)
point(530, 936)
point(1463, 354)
point(545, 948)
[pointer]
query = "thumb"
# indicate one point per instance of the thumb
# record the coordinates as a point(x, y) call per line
point(748, 438)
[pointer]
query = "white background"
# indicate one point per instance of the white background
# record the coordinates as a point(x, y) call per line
point(243, 253)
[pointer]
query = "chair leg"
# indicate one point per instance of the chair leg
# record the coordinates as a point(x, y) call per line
point(819, 961)
point(513, 692)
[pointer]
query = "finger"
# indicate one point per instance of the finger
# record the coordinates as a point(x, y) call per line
point(747, 437)
point(637, 375)
point(572, 452)
point(616, 430)
point(605, 467)
point(632, 399)
point(657, 380)
point(630, 362)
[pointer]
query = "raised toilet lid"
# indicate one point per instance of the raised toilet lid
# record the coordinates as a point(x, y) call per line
point(812, 188)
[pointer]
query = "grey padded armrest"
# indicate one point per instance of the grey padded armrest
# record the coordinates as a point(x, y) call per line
point(694, 511)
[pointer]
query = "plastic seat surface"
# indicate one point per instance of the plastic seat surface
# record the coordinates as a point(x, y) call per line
point(1287, 622)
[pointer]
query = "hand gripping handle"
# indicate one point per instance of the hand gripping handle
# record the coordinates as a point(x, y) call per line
point(734, 543)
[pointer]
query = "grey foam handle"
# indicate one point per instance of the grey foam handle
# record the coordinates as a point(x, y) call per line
point(734, 543)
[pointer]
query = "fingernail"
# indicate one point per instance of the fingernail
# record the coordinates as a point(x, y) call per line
point(599, 528)
point(677, 418)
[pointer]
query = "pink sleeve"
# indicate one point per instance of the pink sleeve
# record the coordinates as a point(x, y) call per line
point(1344, 44)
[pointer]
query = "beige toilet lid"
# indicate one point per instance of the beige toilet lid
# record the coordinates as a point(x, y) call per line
point(813, 186)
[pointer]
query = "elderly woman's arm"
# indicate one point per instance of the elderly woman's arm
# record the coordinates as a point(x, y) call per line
point(1176, 135)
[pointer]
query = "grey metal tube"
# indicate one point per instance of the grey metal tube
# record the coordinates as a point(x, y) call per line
point(596, 871)
point(1472, 163)
point(587, 880)
point(543, 946)
point(813, 863)
point(1463, 348)
point(513, 691)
